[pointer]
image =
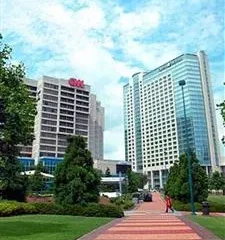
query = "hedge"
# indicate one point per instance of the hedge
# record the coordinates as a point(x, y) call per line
point(11, 208)
point(125, 202)
point(213, 207)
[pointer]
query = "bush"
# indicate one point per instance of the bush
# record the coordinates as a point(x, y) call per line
point(179, 206)
point(10, 208)
point(101, 210)
point(128, 205)
point(124, 202)
point(216, 207)
point(48, 208)
point(213, 207)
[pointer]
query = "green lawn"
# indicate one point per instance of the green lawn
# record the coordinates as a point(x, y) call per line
point(216, 198)
point(47, 227)
point(214, 224)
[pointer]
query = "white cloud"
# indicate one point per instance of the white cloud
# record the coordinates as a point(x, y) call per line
point(134, 24)
point(82, 37)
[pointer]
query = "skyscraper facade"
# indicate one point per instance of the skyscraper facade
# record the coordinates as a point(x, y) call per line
point(64, 107)
point(154, 121)
point(96, 128)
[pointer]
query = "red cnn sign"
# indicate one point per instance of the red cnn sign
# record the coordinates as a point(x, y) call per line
point(74, 82)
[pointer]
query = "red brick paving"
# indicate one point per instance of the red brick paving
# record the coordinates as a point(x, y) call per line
point(150, 222)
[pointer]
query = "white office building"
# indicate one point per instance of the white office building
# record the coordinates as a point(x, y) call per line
point(64, 107)
point(154, 121)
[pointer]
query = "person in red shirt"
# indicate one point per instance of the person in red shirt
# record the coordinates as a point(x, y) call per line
point(169, 203)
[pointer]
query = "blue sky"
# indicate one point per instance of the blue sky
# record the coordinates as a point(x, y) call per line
point(105, 42)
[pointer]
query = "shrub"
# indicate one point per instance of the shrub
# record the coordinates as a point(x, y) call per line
point(48, 208)
point(124, 202)
point(128, 205)
point(101, 210)
point(10, 208)
point(179, 206)
point(216, 207)
point(213, 207)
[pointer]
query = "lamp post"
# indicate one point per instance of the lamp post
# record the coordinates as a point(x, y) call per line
point(182, 84)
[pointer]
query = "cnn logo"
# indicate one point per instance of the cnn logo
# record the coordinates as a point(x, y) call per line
point(73, 82)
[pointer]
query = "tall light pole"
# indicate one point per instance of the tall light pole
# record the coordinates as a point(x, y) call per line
point(182, 84)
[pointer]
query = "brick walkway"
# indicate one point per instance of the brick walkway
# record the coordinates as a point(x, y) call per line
point(148, 222)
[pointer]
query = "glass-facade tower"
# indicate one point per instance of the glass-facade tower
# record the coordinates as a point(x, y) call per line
point(154, 117)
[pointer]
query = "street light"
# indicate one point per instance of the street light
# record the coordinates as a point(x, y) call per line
point(182, 83)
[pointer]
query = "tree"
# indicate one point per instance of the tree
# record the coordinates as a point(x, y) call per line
point(17, 112)
point(216, 181)
point(143, 179)
point(76, 180)
point(36, 181)
point(135, 180)
point(221, 106)
point(177, 185)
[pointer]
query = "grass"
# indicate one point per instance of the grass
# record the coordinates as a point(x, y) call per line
point(214, 224)
point(48, 227)
point(216, 199)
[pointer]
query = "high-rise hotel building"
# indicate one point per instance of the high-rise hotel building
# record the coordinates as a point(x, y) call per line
point(154, 120)
point(64, 107)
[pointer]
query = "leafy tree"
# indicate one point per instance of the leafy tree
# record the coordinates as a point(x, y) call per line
point(216, 181)
point(135, 180)
point(76, 180)
point(177, 185)
point(143, 179)
point(107, 172)
point(17, 112)
point(36, 181)
point(222, 111)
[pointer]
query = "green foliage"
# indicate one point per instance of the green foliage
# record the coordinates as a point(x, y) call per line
point(17, 112)
point(125, 201)
point(143, 179)
point(108, 187)
point(216, 181)
point(17, 107)
point(213, 206)
point(135, 181)
point(36, 181)
point(177, 185)
point(222, 112)
point(10, 208)
point(76, 180)
point(180, 206)
point(13, 184)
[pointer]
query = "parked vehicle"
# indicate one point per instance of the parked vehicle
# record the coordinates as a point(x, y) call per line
point(147, 197)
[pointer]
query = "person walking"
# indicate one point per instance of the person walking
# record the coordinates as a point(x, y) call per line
point(169, 203)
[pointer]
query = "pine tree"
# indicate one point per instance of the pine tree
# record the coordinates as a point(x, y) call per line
point(76, 181)
point(217, 181)
point(177, 185)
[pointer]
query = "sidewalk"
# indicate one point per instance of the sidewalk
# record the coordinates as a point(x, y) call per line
point(149, 221)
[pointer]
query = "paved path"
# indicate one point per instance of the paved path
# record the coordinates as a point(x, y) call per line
point(148, 222)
